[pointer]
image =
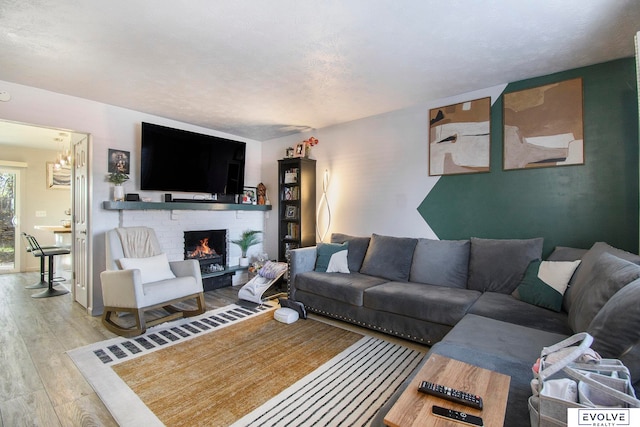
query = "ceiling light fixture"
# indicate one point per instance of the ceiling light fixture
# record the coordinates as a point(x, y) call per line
point(64, 155)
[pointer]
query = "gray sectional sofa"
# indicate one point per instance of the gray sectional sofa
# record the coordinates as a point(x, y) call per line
point(477, 300)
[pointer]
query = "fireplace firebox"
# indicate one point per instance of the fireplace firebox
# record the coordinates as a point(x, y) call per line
point(209, 248)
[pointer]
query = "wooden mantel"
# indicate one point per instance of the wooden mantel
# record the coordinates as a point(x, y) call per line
point(183, 206)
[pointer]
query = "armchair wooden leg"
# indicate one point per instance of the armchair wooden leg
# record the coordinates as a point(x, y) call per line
point(108, 323)
point(202, 307)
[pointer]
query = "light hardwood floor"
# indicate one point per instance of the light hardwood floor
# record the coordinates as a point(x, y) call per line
point(39, 384)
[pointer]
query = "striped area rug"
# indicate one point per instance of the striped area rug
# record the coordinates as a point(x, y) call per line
point(348, 389)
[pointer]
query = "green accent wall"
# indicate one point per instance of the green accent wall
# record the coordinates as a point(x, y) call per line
point(570, 205)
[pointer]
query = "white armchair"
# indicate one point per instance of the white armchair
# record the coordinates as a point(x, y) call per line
point(140, 278)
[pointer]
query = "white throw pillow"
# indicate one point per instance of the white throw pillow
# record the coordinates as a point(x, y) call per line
point(152, 269)
point(338, 263)
point(557, 273)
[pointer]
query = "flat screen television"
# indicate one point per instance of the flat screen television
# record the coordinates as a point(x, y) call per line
point(179, 160)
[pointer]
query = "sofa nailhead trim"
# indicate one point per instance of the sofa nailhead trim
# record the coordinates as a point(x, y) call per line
point(369, 326)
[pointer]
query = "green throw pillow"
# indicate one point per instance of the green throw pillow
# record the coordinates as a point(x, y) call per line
point(325, 251)
point(545, 282)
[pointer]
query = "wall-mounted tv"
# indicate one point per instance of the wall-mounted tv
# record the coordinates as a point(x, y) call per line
point(179, 160)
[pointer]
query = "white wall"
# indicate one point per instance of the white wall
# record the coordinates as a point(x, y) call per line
point(378, 165)
point(109, 127)
point(37, 197)
point(378, 171)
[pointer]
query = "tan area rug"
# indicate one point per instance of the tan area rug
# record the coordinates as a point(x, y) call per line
point(228, 374)
point(238, 365)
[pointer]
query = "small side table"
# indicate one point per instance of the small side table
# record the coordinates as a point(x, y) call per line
point(413, 408)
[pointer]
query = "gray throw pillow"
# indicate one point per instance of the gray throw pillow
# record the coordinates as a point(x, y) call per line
point(389, 257)
point(357, 249)
point(616, 328)
point(586, 270)
point(610, 274)
point(498, 265)
point(564, 253)
point(441, 263)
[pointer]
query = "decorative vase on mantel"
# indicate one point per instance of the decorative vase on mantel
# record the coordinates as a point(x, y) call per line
point(117, 178)
point(118, 193)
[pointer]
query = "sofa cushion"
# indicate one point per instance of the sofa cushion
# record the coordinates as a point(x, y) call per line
point(610, 274)
point(517, 342)
point(436, 304)
point(325, 252)
point(342, 287)
point(616, 331)
point(506, 308)
point(505, 348)
point(586, 269)
point(389, 257)
point(545, 282)
point(497, 265)
point(441, 262)
point(357, 248)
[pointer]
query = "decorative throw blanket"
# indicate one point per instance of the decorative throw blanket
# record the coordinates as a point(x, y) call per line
point(138, 242)
point(272, 270)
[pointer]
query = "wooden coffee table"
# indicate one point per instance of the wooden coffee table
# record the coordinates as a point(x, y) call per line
point(413, 408)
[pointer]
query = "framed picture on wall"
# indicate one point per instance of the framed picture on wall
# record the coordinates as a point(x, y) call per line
point(58, 178)
point(118, 161)
point(543, 126)
point(460, 138)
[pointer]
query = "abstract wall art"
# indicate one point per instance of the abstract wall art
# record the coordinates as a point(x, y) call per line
point(459, 138)
point(543, 126)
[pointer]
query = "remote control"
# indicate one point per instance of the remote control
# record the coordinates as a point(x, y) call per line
point(460, 417)
point(451, 394)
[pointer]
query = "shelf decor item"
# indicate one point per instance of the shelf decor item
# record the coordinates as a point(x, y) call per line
point(249, 195)
point(459, 138)
point(308, 143)
point(118, 178)
point(246, 240)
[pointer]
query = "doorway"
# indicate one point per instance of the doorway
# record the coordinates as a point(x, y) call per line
point(10, 180)
point(44, 208)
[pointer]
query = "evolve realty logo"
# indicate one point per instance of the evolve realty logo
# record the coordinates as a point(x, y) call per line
point(600, 417)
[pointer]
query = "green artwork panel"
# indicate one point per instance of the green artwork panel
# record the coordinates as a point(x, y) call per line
point(568, 205)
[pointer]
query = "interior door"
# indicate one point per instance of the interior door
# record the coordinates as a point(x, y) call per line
point(80, 221)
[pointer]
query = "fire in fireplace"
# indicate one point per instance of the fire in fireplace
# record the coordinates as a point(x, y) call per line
point(209, 247)
point(202, 250)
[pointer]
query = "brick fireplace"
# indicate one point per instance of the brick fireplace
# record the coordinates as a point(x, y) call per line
point(210, 249)
point(170, 226)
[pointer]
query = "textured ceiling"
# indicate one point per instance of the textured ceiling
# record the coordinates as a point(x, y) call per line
point(264, 69)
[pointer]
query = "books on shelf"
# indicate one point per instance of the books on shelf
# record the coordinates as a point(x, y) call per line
point(291, 193)
point(293, 231)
